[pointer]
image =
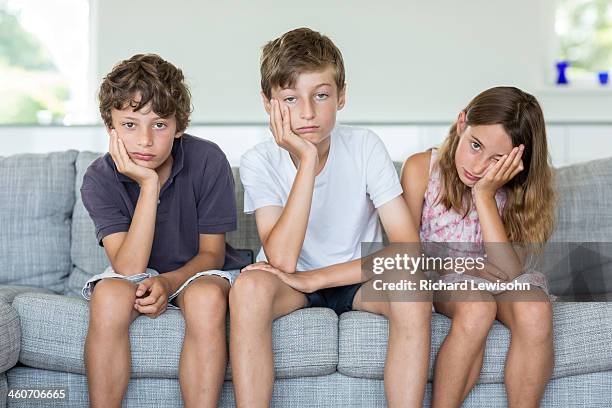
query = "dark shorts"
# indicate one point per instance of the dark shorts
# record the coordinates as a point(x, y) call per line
point(340, 298)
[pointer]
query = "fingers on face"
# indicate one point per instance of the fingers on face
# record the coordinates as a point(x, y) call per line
point(516, 165)
point(286, 120)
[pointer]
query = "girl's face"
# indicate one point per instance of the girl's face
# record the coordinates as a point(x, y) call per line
point(480, 147)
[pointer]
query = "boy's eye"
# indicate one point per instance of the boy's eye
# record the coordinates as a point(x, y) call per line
point(321, 96)
point(160, 125)
point(128, 125)
point(290, 99)
point(475, 145)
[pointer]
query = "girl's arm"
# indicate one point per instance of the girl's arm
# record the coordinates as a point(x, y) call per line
point(414, 179)
point(500, 251)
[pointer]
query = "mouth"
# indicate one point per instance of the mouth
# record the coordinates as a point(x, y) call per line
point(143, 156)
point(307, 129)
point(470, 176)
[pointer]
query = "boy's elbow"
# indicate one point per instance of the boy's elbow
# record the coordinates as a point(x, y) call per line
point(283, 262)
point(127, 270)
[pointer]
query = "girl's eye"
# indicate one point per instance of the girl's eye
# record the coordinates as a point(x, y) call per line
point(321, 96)
point(128, 125)
point(290, 99)
point(475, 146)
point(160, 125)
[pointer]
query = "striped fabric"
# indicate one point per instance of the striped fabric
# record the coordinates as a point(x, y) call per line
point(583, 335)
point(37, 193)
point(305, 343)
point(333, 391)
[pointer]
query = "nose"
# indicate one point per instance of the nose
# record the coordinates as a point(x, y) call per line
point(479, 166)
point(145, 138)
point(308, 111)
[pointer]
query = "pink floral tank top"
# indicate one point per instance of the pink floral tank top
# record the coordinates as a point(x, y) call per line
point(439, 224)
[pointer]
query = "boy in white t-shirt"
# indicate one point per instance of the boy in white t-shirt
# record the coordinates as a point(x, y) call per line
point(317, 191)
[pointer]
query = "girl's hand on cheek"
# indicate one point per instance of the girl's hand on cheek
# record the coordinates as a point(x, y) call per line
point(499, 173)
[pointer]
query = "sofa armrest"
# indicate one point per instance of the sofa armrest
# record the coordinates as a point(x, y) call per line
point(10, 336)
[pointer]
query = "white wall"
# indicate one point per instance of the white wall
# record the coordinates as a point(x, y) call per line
point(409, 60)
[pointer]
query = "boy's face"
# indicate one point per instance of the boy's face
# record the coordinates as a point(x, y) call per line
point(313, 102)
point(147, 137)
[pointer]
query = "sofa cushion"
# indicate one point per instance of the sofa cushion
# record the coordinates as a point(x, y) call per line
point(54, 327)
point(37, 193)
point(8, 292)
point(3, 390)
point(88, 258)
point(10, 336)
point(583, 334)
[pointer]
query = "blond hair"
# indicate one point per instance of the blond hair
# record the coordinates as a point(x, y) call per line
point(295, 52)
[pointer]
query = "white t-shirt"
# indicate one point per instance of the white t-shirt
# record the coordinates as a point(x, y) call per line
point(358, 177)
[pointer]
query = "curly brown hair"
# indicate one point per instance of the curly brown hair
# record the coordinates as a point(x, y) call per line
point(295, 52)
point(529, 213)
point(153, 79)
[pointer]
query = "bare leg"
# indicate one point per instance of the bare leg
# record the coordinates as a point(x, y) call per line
point(530, 358)
point(204, 355)
point(407, 362)
point(256, 299)
point(459, 360)
point(107, 346)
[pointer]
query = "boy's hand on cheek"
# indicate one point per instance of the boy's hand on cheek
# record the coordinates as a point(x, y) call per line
point(125, 165)
point(280, 125)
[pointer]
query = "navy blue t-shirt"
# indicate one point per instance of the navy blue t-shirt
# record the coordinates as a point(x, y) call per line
point(198, 198)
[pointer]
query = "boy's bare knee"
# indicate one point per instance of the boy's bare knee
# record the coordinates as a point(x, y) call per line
point(204, 302)
point(112, 303)
point(251, 287)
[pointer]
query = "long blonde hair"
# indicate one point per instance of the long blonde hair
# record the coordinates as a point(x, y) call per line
point(529, 213)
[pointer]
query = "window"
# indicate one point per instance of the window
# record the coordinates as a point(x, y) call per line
point(44, 62)
point(584, 32)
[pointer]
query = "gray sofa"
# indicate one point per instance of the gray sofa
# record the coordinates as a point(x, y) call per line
point(48, 250)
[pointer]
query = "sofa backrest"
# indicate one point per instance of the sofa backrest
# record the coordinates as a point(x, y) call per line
point(578, 257)
point(36, 202)
point(47, 238)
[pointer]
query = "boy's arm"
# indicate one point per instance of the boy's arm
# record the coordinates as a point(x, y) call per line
point(398, 223)
point(397, 218)
point(210, 256)
point(282, 230)
point(129, 252)
point(152, 293)
point(400, 218)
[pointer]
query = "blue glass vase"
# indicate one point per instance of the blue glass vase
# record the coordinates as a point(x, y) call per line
point(561, 74)
point(603, 77)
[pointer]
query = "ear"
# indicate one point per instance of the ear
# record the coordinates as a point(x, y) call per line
point(461, 122)
point(109, 130)
point(342, 97)
point(266, 102)
point(179, 134)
